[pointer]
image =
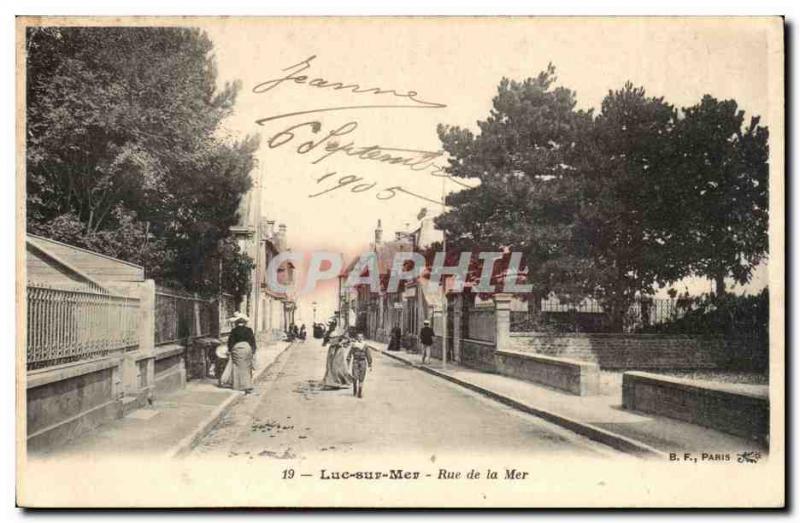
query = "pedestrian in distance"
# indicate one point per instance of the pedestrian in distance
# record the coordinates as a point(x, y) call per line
point(361, 359)
point(426, 338)
point(395, 340)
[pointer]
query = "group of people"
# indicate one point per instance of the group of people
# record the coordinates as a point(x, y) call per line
point(426, 335)
point(348, 359)
point(293, 333)
point(347, 362)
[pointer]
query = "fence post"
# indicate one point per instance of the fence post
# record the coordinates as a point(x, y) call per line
point(502, 318)
point(457, 307)
point(147, 315)
point(138, 367)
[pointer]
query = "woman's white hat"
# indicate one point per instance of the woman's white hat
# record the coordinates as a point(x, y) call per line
point(238, 316)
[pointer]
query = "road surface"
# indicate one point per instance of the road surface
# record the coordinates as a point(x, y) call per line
point(403, 409)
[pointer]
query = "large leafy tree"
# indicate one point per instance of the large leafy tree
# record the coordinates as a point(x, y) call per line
point(724, 197)
point(524, 157)
point(627, 207)
point(123, 144)
point(611, 205)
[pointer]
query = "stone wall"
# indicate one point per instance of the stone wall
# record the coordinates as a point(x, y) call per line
point(576, 377)
point(68, 400)
point(170, 368)
point(633, 351)
point(721, 407)
point(478, 355)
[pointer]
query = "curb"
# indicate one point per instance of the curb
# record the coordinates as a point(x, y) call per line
point(186, 444)
point(616, 441)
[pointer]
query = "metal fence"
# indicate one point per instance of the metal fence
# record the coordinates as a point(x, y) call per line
point(226, 308)
point(180, 315)
point(590, 316)
point(66, 325)
point(479, 323)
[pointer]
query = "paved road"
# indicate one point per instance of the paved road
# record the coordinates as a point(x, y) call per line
point(290, 416)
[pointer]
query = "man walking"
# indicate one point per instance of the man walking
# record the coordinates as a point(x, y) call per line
point(426, 338)
point(361, 357)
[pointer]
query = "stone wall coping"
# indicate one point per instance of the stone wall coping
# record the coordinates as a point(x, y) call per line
point(551, 360)
point(165, 351)
point(141, 354)
point(479, 342)
point(688, 385)
point(38, 378)
point(521, 334)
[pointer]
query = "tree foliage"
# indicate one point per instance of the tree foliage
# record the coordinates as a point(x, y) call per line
point(123, 146)
point(525, 158)
point(725, 174)
point(610, 205)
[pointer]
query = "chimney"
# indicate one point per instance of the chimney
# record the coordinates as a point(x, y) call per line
point(281, 236)
point(378, 234)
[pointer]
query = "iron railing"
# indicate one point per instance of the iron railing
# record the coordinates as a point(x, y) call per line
point(175, 319)
point(66, 325)
point(590, 316)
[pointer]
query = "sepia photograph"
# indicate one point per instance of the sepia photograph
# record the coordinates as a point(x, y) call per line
point(400, 262)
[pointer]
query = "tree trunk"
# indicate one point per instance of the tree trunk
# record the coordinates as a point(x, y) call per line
point(719, 284)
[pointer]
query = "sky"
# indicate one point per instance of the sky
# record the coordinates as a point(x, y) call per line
point(454, 67)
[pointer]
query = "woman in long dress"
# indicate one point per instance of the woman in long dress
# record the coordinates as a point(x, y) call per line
point(337, 373)
point(241, 350)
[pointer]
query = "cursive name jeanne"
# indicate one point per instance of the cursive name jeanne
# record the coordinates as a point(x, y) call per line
point(294, 76)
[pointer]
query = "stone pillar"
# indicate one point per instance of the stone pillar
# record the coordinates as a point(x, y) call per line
point(198, 328)
point(437, 325)
point(138, 367)
point(457, 308)
point(502, 316)
point(147, 315)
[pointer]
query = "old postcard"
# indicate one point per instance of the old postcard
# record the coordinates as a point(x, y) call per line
point(400, 262)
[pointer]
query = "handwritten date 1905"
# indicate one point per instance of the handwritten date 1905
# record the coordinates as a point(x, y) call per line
point(358, 184)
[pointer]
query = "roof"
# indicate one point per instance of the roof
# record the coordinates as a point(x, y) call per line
point(92, 265)
point(53, 262)
point(385, 253)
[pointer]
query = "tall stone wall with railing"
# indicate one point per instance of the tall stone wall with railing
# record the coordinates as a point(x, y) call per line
point(94, 355)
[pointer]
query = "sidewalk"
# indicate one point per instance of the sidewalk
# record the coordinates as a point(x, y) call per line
point(173, 423)
point(600, 418)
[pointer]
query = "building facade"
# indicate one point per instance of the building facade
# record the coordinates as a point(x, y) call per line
point(377, 313)
point(270, 312)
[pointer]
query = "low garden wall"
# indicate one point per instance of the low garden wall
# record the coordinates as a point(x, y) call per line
point(577, 377)
point(170, 368)
point(478, 355)
point(726, 408)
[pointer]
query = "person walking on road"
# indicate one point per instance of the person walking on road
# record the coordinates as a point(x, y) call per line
point(337, 373)
point(361, 358)
point(426, 338)
point(238, 373)
point(395, 341)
